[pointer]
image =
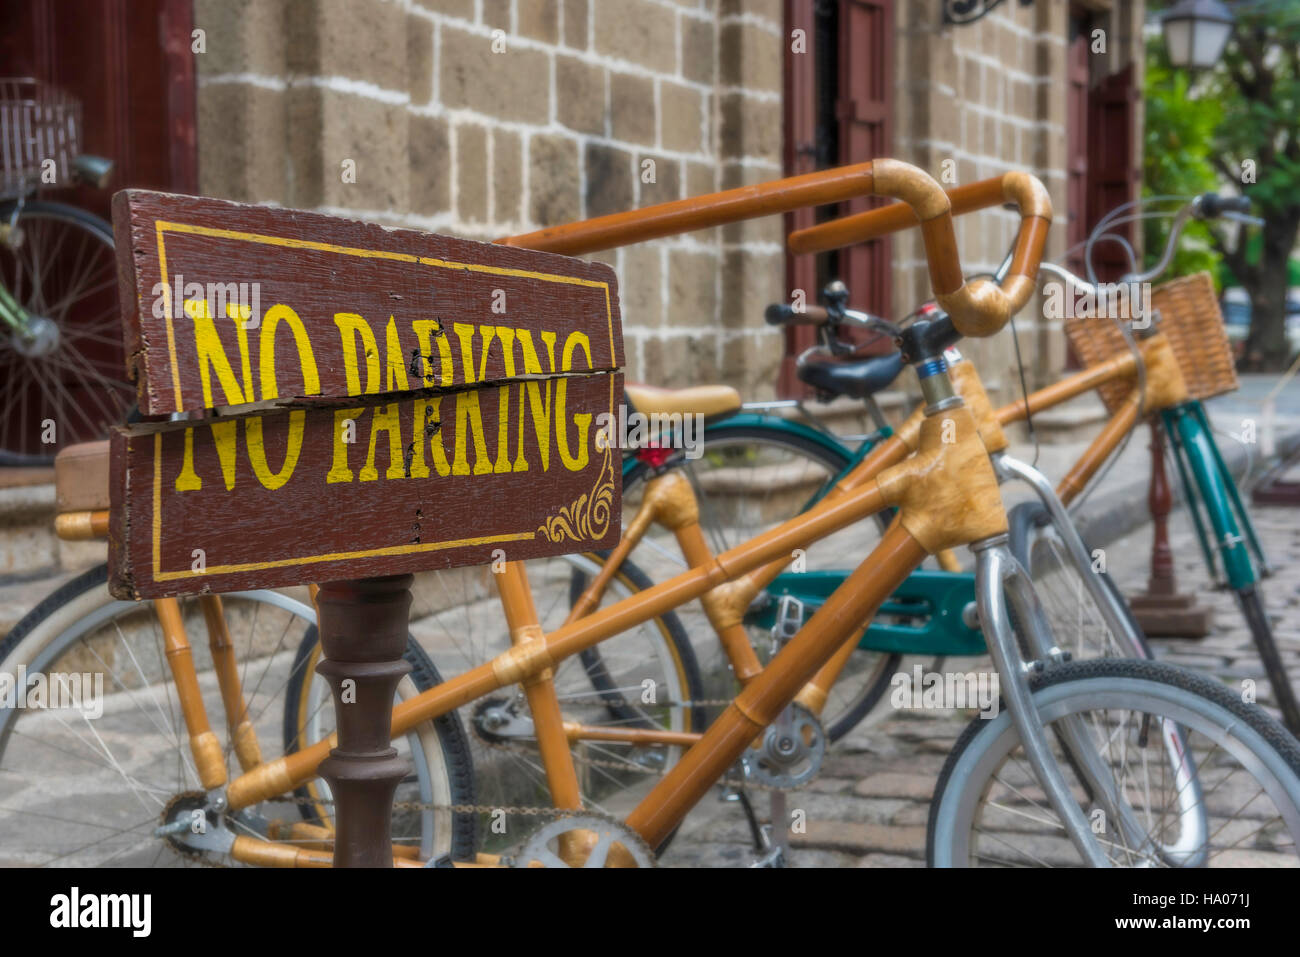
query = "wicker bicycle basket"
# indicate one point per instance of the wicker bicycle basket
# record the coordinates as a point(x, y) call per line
point(1188, 314)
point(37, 124)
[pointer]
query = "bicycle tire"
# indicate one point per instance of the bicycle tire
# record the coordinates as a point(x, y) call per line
point(99, 355)
point(77, 610)
point(1196, 703)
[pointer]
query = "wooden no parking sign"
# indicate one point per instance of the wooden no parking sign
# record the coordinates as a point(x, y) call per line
point(350, 400)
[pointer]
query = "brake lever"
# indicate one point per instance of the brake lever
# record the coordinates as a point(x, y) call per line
point(866, 320)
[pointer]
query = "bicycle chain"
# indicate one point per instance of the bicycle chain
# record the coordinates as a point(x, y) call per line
point(530, 810)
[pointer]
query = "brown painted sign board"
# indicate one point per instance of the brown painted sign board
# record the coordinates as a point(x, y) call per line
point(422, 402)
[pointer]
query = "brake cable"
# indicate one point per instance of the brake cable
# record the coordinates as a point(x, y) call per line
point(1024, 392)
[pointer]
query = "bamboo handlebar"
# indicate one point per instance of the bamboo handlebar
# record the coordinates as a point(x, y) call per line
point(977, 308)
point(81, 526)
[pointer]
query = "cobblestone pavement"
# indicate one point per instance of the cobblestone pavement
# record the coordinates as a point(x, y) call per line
point(869, 805)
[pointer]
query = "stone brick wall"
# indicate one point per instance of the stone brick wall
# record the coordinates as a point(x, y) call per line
point(991, 96)
point(482, 118)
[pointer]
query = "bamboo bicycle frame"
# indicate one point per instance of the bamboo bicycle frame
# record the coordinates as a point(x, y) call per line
point(946, 494)
point(730, 580)
point(670, 499)
point(941, 511)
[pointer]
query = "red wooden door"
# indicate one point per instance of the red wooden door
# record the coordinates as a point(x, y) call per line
point(864, 108)
point(129, 63)
point(1077, 77)
point(1113, 175)
point(838, 110)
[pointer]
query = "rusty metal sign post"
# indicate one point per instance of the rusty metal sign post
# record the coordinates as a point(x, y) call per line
point(345, 403)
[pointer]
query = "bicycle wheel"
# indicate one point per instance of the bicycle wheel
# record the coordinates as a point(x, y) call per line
point(652, 681)
point(988, 809)
point(85, 790)
point(309, 716)
point(749, 479)
point(1076, 619)
point(63, 375)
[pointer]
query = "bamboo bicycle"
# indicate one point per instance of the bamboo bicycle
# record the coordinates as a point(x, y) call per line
point(927, 615)
point(1100, 713)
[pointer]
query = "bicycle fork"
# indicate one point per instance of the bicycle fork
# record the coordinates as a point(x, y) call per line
point(1005, 594)
point(1234, 551)
point(1001, 585)
point(1099, 782)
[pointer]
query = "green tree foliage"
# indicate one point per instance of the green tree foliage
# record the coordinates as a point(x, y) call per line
point(1258, 146)
point(1178, 138)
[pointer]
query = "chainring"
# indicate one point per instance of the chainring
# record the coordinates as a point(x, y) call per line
point(789, 754)
point(537, 850)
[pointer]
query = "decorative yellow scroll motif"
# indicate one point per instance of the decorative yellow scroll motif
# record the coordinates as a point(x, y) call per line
point(587, 518)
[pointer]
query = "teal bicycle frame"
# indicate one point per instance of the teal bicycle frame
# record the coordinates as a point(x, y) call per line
point(1227, 537)
point(12, 315)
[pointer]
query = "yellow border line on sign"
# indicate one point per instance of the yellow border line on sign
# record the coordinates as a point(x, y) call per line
point(167, 310)
point(162, 576)
point(157, 504)
point(162, 226)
